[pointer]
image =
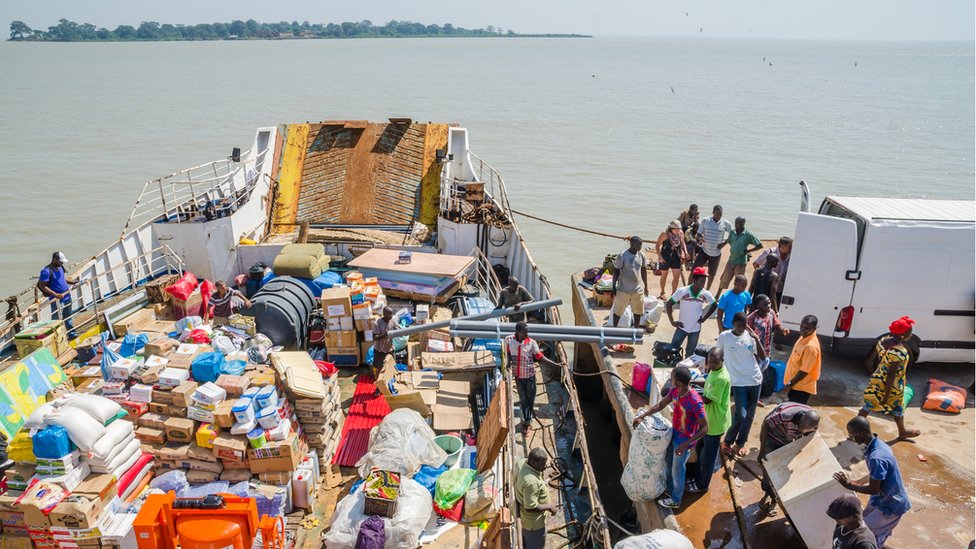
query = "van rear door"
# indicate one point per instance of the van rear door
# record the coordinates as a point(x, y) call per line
point(822, 273)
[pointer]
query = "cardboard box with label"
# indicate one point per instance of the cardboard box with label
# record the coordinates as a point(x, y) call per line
point(227, 446)
point(99, 485)
point(77, 511)
point(336, 302)
point(464, 360)
point(224, 415)
point(180, 429)
point(191, 306)
point(160, 346)
point(282, 455)
point(181, 394)
point(184, 355)
point(233, 385)
point(150, 435)
point(340, 338)
point(135, 322)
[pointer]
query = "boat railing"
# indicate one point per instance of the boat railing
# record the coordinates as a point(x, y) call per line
point(180, 196)
point(494, 184)
point(94, 288)
point(484, 276)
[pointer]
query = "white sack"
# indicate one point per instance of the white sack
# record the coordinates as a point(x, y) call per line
point(97, 407)
point(116, 433)
point(120, 447)
point(83, 429)
point(658, 539)
point(413, 511)
point(643, 478)
point(123, 456)
point(38, 418)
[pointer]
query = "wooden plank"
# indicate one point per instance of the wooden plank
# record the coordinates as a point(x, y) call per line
point(802, 475)
point(420, 263)
point(498, 533)
point(494, 431)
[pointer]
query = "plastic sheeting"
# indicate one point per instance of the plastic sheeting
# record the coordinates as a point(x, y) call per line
point(402, 442)
point(658, 539)
point(403, 530)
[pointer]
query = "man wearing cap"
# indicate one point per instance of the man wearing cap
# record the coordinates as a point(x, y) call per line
point(54, 283)
point(850, 532)
point(691, 300)
point(888, 501)
point(885, 392)
point(629, 282)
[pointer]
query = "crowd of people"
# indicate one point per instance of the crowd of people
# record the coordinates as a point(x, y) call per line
point(717, 417)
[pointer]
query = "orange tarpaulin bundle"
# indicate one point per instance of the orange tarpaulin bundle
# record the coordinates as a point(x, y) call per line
point(944, 397)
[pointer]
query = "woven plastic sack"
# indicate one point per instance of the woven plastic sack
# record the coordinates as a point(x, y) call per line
point(83, 429)
point(51, 442)
point(479, 500)
point(208, 366)
point(183, 287)
point(452, 485)
point(116, 434)
point(96, 406)
point(643, 478)
point(412, 514)
point(944, 397)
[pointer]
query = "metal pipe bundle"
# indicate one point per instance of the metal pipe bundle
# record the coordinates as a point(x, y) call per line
point(545, 332)
point(464, 324)
point(534, 306)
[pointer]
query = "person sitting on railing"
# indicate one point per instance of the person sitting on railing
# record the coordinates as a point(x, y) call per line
point(56, 284)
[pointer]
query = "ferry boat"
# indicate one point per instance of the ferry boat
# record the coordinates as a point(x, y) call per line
point(352, 186)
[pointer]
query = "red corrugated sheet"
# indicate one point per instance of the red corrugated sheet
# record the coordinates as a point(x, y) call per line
point(368, 408)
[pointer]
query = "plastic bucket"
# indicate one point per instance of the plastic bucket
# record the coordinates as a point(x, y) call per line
point(452, 445)
point(268, 417)
point(257, 439)
point(640, 375)
point(267, 397)
point(243, 410)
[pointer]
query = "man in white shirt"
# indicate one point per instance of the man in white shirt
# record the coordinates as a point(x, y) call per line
point(743, 356)
point(691, 301)
point(713, 234)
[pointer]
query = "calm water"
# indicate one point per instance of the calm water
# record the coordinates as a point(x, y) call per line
point(584, 131)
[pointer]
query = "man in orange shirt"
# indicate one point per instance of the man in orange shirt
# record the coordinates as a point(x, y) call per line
point(803, 368)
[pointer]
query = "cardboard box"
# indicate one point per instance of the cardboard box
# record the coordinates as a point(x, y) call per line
point(70, 479)
point(452, 412)
point(77, 511)
point(152, 420)
point(336, 302)
point(134, 409)
point(184, 355)
point(150, 435)
point(178, 411)
point(192, 306)
point(158, 408)
point(282, 455)
point(362, 311)
point(149, 375)
point(181, 394)
point(122, 368)
point(201, 476)
point(206, 435)
point(223, 415)
point(160, 396)
point(199, 414)
point(20, 473)
point(133, 323)
point(179, 429)
point(209, 393)
point(141, 393)
point(160, 346)
point(458, 360)
point(17, 541)
point(16, 518)
point(233, 385)
point(173, 377)
point(230, 447)
point(418, 391)
point(340, 338)
point(100, 485)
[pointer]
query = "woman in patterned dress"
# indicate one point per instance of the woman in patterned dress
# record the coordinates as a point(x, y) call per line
point(885, 392)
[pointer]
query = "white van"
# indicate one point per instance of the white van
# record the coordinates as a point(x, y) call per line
point(860, 263)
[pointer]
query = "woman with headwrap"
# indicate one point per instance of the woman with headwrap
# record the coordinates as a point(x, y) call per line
point(885, 392)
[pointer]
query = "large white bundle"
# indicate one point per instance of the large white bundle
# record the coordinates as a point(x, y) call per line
point(38, 418)
point(104, 460)
point(97, 407)
point(658, 539)
point(83, 429)
point(643, 478)
point(402, 442)
point(117, 433)
point(124, 454)
point(413, 510)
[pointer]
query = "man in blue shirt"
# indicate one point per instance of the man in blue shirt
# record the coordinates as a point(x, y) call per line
point(888, 501)
point(54, 283)
point(733, 301)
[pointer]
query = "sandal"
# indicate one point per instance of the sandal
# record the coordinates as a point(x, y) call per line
point(693, 488)
point(912, 433)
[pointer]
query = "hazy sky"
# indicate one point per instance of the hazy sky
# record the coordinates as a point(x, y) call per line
point(822, 19)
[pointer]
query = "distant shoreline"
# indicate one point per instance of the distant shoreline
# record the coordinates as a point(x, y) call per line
point(151, 31)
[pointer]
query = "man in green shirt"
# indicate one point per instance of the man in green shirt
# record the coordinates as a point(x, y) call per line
point(718, 387)
point(739, 241)
point(532, 495)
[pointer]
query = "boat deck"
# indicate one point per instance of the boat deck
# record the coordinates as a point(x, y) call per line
point(940, 487)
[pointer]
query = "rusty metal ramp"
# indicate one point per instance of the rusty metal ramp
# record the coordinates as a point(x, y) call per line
point(360, 173)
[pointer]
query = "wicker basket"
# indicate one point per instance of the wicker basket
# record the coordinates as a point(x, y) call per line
point(154, 289)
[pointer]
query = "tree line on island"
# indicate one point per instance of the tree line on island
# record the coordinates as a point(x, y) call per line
point(69, 31)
